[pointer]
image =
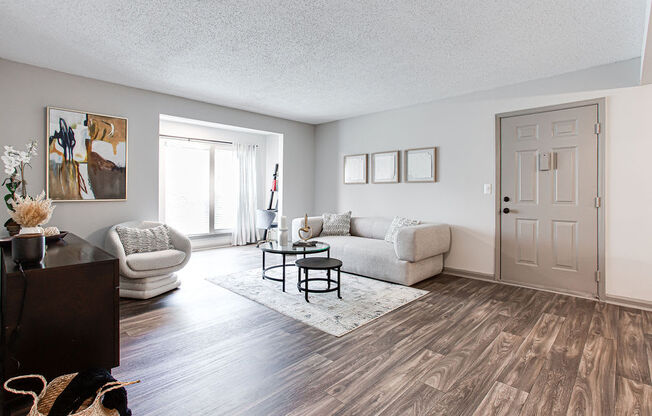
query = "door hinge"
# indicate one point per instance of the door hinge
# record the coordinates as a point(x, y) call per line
point(598, 202)
point(596, 128)
point(597, 276)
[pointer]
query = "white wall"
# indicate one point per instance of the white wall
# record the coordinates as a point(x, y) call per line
point(628, 191)
point(26, 90)
point(463, 129)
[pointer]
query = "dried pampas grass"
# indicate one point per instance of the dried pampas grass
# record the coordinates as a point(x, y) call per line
point(30, 212)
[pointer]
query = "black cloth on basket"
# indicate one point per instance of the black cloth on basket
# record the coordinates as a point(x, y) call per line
point(84, 386)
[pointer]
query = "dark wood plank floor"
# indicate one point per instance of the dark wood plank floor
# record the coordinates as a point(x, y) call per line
point(467, 348)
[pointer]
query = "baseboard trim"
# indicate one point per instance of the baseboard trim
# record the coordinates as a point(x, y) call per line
point(209, 247)
point(629, 302)
point(468, 274)
point(488, 277)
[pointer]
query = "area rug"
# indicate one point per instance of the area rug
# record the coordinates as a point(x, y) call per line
point(363, 300)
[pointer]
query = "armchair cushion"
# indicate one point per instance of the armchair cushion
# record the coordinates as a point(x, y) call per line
point(144, 240)
point(155, 260)
point(418, 242)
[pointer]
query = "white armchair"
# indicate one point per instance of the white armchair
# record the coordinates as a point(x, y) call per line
point(145, 275)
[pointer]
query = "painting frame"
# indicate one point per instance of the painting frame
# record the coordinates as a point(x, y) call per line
point(49, 134)
point(396, 175)
point(364, 157)
point(431, 177)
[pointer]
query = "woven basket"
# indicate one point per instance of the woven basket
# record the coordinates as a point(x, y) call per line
point(44, 401)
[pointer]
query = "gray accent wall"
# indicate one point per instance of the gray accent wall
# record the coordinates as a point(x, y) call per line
point(463, 129)
point(25, 91)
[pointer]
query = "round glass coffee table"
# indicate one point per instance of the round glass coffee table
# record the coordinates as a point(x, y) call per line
point(288, 250)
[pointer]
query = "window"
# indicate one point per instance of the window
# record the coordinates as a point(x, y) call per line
point(197, 189)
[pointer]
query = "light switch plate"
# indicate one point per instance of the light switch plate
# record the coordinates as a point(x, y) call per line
point(487, 189)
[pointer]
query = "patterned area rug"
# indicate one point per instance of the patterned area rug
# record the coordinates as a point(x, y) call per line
point(363, 300)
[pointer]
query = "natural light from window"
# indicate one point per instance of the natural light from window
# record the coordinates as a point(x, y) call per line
point(198, 186)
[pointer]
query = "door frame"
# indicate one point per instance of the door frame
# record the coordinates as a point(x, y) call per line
point(601, 105)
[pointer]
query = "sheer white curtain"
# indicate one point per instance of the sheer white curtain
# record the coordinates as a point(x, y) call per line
point(245, 198)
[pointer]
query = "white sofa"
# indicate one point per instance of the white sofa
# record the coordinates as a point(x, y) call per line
point(416, 254)
point(145, 275)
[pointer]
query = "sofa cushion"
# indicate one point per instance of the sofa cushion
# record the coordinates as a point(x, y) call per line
point(155, 260)
point(336, 224)
point(315, 224)
point(370, 227)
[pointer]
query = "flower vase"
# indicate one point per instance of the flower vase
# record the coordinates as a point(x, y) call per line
point(31, 230)
point(28, 248)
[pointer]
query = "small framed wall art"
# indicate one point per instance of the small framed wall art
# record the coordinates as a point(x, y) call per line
point(421, 164)
point(385, 167)
point(355, 169)
point(86, 156)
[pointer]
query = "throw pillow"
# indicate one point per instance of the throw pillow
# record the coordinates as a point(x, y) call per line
point(139, 240)
point(336, 224)
point(397, 223)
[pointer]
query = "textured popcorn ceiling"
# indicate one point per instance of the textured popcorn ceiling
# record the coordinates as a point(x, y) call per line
point(317, 61)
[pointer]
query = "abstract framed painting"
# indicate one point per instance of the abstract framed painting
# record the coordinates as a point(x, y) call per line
point(421, 164)
point(385, 167)
point(86, 156)
point(355, 169)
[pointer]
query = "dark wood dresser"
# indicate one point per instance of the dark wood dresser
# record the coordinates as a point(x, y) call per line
point(70, 318)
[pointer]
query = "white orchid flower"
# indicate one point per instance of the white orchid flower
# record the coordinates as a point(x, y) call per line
point(7, 160)
point(10, 164)
point(31, 148)
point(24, 157)
point(15, 160)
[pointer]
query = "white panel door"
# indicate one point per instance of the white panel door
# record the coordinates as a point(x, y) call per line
point(549, 182)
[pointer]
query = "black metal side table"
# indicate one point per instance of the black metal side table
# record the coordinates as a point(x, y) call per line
point(284, 251)
point(318, 263)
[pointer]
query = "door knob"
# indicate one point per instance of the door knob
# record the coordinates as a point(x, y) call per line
point(506, 210)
